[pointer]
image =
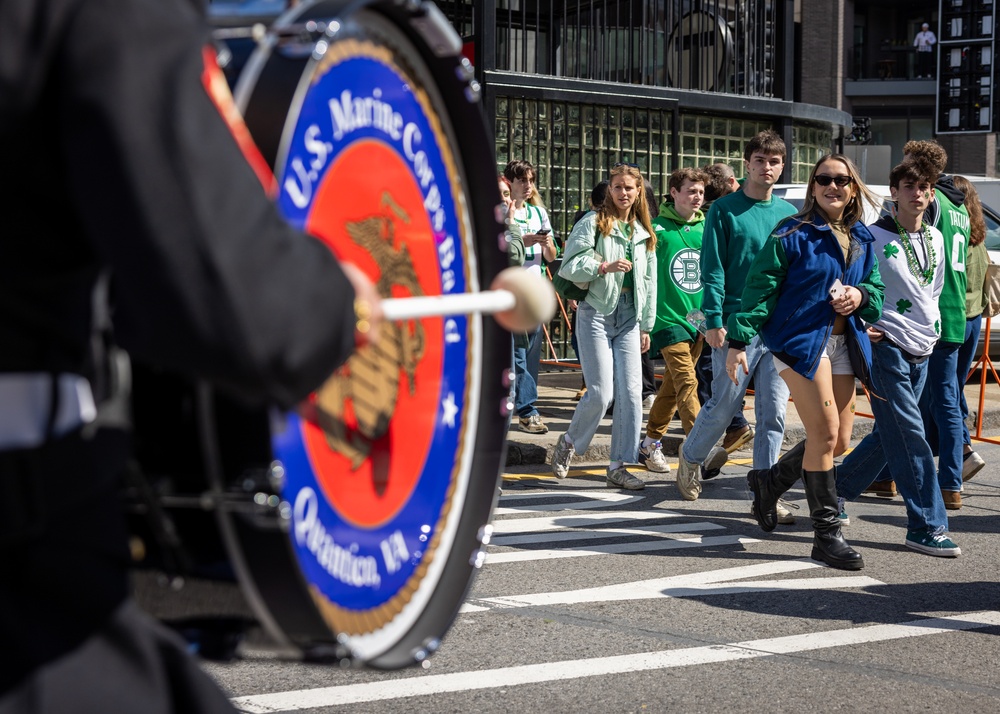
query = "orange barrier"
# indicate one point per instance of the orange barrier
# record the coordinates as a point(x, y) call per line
point(983, 363)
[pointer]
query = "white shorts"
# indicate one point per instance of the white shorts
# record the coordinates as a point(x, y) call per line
point(836, 352)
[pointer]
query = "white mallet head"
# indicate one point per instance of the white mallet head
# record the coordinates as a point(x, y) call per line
point(534, 299)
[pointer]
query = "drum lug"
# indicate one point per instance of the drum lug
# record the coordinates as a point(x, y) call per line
point(421, 654)
point(506, 407)
point(485, 534)
point(435, 29)
point(465, 73)
point(478, 558)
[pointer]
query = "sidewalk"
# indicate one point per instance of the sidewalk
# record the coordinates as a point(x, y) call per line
point(556, 390)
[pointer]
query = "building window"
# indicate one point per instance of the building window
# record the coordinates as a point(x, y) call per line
point(810, 144)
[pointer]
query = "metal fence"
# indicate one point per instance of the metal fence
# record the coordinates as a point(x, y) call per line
point(723, 46)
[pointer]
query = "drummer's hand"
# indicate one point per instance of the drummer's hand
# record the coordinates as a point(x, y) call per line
point(367, 306)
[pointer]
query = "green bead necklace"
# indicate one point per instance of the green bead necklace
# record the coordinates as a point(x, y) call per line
point(923, 277)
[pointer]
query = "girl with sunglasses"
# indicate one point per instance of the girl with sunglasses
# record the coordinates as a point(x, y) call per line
point(807, 294)
point(614, 250)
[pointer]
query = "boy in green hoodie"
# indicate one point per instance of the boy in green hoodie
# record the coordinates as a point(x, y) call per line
point(679, 228)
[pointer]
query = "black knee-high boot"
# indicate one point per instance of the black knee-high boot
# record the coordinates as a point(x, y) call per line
point(829, 545)
point(768, 485)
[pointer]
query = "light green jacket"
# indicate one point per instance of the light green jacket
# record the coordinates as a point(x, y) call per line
point(581, 265)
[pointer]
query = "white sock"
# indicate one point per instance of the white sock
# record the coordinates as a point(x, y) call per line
point(646, 442)
point(615, 465)
point(568, 439)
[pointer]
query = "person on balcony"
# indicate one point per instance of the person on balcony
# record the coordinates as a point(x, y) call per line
point(924, 42)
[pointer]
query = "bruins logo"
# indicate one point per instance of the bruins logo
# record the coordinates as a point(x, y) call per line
point(356, 404)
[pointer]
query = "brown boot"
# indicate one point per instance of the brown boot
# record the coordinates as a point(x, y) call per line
point(952, 500)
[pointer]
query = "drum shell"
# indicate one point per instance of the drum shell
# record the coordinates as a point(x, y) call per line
point(234, 441)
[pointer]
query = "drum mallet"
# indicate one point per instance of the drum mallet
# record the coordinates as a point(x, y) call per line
point(518, 299)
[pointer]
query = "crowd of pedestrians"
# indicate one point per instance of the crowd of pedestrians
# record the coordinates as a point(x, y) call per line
point(733, 287)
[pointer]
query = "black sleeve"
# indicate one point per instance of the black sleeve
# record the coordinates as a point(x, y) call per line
point(209, 279)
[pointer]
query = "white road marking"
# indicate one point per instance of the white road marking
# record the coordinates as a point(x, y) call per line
point(666, 543)
point(591, 534)
point(714, 582)
point(575, 669)
point(579, 520)
point(597, 499)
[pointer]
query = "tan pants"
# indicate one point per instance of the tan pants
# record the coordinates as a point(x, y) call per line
point(678, 390)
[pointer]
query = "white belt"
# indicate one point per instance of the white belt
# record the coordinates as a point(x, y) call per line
point(25, 402)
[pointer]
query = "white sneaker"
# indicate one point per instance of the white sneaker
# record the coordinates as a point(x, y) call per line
point(653, 459)
point(561, 457)
point(621, 478)
point(648, 401)
point(688, 477)
point(785, 516)
point(971, 465)
point(716, 459)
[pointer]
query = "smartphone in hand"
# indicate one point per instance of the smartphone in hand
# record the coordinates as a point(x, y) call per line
point(837, 289)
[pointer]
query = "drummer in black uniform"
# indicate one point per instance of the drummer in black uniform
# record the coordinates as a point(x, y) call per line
point(133, 217)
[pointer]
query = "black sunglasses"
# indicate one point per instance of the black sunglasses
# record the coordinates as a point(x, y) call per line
point(621, 163)
point(825, 180)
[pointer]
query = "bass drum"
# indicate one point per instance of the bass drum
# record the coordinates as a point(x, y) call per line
point(382, 485)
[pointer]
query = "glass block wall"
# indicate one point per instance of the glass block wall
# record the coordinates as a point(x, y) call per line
point(573, 145)
point(810, 144)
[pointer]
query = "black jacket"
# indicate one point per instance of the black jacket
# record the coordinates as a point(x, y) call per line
point(115, 158)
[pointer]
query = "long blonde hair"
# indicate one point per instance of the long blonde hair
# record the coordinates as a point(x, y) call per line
point(608, 213)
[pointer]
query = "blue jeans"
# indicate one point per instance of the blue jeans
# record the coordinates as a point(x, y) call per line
point(703, 370)
point(942, 414)
point(770, 400)
point(609, 355)
point(966, 356)
point(526, 361)
point(897, 441)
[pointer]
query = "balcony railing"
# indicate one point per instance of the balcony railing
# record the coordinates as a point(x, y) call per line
point(725, 46)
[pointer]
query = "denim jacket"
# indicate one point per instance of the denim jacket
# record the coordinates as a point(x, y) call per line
point(582, 265)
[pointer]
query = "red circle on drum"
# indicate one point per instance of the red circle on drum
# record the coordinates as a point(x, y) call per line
point(376, 415)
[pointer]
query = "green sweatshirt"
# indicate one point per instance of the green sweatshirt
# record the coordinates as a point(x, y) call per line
point(678, 271)
point(736, 229)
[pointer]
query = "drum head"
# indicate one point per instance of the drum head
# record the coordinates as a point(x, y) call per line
point(390, 471)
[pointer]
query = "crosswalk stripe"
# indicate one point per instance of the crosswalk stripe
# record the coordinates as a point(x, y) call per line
point(580, 500)
point(591, 534)
point(666, 543)
point(578, 520)
point(426, 685)
point(712, 582)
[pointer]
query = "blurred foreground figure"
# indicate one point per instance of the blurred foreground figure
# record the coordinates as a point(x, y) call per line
point(137, 217)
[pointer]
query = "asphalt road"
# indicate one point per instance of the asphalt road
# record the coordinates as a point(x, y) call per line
point(593, 600)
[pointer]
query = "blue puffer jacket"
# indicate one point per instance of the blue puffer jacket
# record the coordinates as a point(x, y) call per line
point(786, 298)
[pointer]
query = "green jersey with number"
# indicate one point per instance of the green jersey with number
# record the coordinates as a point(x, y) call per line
point(953, 221)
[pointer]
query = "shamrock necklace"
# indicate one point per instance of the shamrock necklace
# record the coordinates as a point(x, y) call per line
point(923, 277)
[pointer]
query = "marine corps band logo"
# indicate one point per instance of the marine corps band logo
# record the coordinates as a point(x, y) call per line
point(356, 404)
